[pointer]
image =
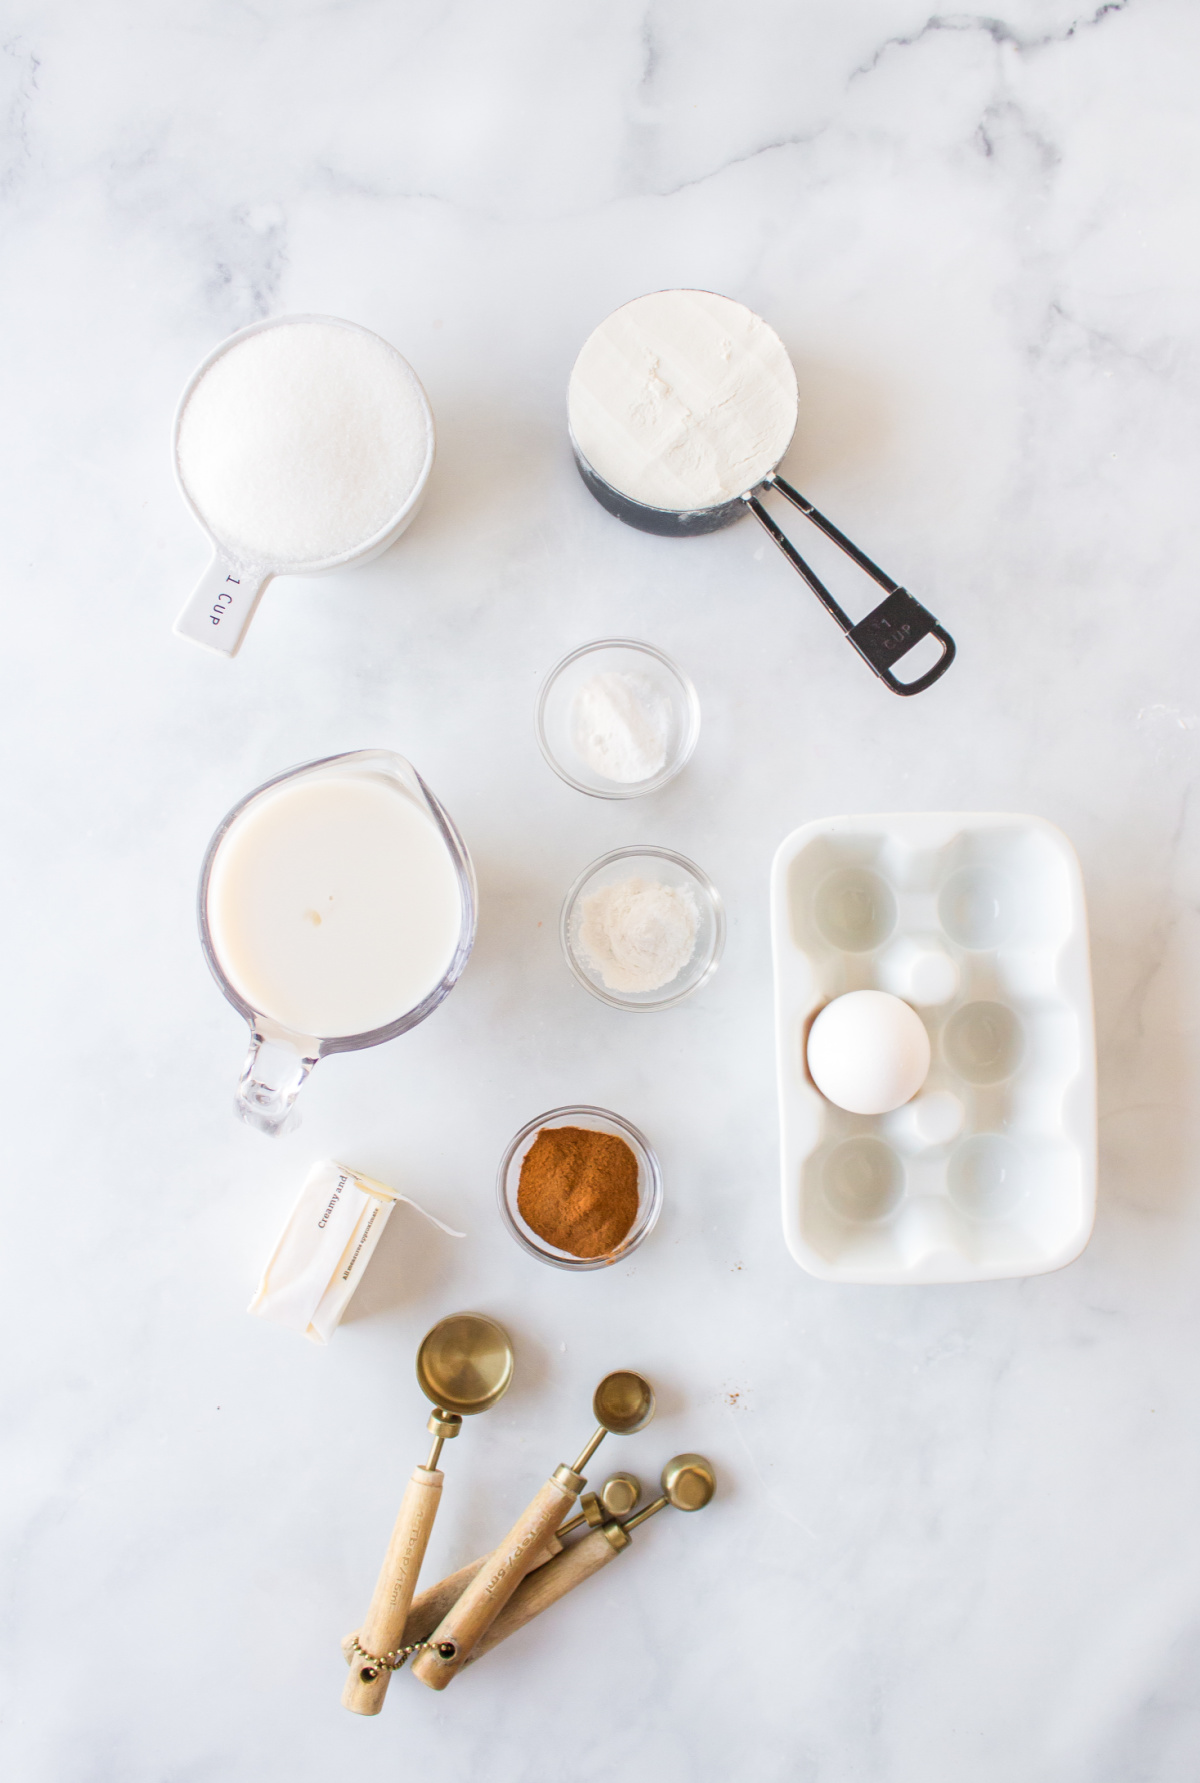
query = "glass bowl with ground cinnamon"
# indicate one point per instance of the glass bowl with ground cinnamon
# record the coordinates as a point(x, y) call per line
point(579, 1188)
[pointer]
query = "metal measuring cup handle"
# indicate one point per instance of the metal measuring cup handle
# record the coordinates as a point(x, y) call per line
point(891, 629)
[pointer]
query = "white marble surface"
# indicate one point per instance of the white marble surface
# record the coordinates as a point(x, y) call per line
point(957, 1531)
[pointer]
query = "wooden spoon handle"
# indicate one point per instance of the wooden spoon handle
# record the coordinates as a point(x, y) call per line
point(550, 1582)
point(492, 1586)
point(383, 1629)
point(430, 1605)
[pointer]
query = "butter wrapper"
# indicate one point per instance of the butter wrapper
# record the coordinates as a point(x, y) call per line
point(320, 1256)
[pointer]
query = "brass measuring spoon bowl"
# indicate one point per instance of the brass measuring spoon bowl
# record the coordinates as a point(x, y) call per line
point(622, 1404)
point(616, 1498)
point(464, 1365)
point(688, 1483)
point(619, 1494)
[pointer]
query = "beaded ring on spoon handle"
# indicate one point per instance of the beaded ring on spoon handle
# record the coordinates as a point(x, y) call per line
point(616, 1498)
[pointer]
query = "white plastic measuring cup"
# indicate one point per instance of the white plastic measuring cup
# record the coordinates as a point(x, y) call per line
point(224, 600)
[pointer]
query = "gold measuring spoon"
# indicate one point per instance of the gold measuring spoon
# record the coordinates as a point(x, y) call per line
point(616, 1498)
point(464, 1365)
point(622, 1403)
point(688, 1482)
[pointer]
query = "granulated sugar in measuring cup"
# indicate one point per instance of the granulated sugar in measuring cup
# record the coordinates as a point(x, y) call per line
point(681, 407)
point(302, 444)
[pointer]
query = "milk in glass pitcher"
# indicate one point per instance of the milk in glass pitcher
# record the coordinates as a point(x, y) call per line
point(337, 910)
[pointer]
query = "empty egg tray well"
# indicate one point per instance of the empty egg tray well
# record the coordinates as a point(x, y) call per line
point(978, 922)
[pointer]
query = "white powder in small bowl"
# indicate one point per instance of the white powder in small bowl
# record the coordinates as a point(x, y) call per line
point(639, 934)
point(620, 726)
point(304, 441)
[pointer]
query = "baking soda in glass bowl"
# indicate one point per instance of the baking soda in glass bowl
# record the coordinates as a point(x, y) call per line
point(302, 444)
point(637, 934)
point(620, 726)
point(617, 719)
point(642, 928)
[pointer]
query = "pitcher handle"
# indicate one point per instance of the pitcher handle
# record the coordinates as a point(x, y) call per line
point(221, 606)
point(272, 1078)
point(889, 630)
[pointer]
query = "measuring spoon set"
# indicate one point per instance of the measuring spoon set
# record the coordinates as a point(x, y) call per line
point(464, 1366)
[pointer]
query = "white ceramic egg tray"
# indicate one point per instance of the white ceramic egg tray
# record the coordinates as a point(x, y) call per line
point(977, 921)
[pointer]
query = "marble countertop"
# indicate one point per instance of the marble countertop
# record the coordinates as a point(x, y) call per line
point(956, 1532)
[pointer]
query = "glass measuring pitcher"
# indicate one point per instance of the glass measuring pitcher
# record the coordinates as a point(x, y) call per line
point(337, 909)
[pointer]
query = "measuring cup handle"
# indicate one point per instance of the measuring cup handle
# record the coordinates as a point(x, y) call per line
point(221, 606)
point(272, 1077)
point(383, 1630)
point(492, 1587)
point(892, 628)
point(888, 633)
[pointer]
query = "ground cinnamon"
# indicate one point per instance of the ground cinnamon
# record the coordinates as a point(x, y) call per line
point(579, 1190)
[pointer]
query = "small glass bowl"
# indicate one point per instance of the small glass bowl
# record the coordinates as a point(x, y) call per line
point(599, 1120)
point(669, 869)
point(621, 655)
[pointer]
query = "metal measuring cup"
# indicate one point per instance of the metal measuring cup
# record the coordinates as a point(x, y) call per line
point(622, 1404)
point(464, 1365)
point(892, 628)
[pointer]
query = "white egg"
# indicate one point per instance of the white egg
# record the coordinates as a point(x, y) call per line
point(868, 1052)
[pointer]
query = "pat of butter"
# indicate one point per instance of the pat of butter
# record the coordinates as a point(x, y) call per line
point(320, 1256)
